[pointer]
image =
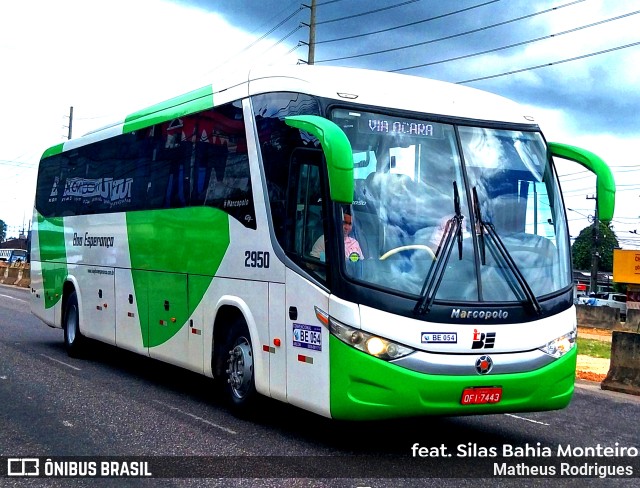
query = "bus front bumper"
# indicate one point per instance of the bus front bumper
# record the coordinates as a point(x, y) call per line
point(366, 388)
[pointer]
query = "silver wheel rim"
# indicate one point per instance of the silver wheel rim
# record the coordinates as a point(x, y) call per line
point(240, 371)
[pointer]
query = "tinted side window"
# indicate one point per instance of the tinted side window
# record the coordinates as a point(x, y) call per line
point(48, 185)
point(278, 143)
point(96, 178)
point(220, 176)
point(199, 159)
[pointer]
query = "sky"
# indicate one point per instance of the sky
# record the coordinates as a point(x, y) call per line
point(573, 64)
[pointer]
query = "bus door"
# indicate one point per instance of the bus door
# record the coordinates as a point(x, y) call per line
point(307, 338)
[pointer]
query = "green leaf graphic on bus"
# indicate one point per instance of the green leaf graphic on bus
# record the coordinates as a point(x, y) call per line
point(53, 256)
point(163, 246)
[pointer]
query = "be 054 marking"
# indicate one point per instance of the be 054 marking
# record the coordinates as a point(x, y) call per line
point(307, 336)
point(439, 338)
point(256, 259)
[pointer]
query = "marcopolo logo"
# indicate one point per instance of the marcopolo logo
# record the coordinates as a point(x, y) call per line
point(457, 313)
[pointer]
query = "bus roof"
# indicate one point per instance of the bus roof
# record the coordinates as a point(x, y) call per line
point(375, 88)
point(391, 90)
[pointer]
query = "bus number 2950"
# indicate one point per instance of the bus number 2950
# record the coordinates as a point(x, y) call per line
point(256, 259)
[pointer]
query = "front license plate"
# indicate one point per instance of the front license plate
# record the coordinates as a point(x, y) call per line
point(482, 395)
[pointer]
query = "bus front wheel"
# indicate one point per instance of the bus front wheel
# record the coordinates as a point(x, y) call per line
point(73, 339)
point(239, 373)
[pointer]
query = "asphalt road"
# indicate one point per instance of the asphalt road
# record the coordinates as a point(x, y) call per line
point(117, 404)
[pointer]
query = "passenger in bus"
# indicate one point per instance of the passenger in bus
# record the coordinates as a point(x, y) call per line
point(352, 249)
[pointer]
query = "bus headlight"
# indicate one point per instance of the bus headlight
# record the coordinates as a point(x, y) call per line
point(371, 344)
point(560, 346)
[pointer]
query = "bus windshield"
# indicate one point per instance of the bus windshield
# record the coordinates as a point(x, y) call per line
point(409, 174)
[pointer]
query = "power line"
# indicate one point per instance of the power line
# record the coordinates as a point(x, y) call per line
point(604, 51)
point(375, 11)
point(292, 49)
point(624, 166)
point(576, 173)
point(502, 48)
point(270, 31)
point(296, 29)
point(586, 176)
point(619, 189)
point(277, 14)
point(411, 23)
point(461, 34)
point(282, 22)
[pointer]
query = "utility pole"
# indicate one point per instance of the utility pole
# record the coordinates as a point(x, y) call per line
point(312, 33)
point(594, 254)
point(70, 126)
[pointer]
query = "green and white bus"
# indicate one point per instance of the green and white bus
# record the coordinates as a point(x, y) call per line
point(185, 233)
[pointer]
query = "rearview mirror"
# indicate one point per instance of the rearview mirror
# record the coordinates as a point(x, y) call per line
point(605, 184)
point(337, 152)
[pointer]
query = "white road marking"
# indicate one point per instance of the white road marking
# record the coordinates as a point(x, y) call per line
point(524, 418)
point(197, 418)
point(12, 298)
point(61, 362)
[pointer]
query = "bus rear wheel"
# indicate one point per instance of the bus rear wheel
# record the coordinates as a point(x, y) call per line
point(239, 373)
point(73, 339)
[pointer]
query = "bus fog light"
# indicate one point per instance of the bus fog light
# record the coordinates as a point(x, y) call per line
point(560, 346)
point(368, 343)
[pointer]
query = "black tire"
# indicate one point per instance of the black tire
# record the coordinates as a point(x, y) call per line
point(74, 341)
point(239, 377)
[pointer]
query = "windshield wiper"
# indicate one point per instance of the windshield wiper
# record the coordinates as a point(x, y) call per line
point(488, 229)
point(452, 232)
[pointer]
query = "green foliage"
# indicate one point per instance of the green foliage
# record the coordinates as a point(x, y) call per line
point(594, 348)
point(582, 248)
point(3, 230)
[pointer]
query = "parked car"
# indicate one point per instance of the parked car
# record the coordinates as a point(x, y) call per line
point(614, 300)
point(12, 256)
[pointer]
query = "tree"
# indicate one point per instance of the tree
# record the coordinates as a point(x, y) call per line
point(583, 247)
point(3, 230)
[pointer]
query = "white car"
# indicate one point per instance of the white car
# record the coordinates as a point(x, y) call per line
point(615, 300)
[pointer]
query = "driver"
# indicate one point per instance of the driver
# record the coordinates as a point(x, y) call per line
point(352, 249)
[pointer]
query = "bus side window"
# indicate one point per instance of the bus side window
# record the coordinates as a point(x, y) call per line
point(219, 175)
point(277, 143)
point(72, 172)
point(305, 214)
point(49, 187)
point(308, 213)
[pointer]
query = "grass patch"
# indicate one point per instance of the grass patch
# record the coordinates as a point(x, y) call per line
point(594, 348)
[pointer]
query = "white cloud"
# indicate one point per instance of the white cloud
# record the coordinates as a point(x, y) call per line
point(620, 153)
point(106, 60)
